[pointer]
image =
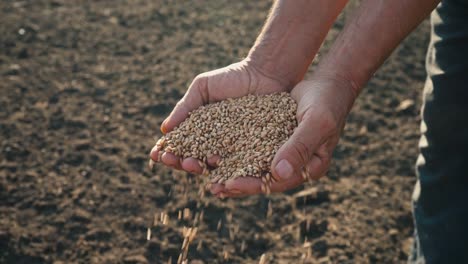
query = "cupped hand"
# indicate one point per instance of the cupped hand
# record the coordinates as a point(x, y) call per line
point(323, 105)
point(233, 81)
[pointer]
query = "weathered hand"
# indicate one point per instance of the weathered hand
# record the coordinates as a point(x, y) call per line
point(233, 81)
point(323, 104)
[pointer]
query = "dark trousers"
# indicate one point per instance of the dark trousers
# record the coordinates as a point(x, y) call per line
point(440, 199)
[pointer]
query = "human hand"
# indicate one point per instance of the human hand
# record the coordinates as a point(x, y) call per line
point(323, 105)
point(233, 81)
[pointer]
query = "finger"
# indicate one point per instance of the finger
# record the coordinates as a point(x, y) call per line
point(316, 167)
point(237, 187)
point(216, 188)
point(171, 160)
point(250, 185)
point(299, 148)
point(320, 162)
point(223, 195)
point(154, 154)
point(292, 182)
point(191, 101)
point(191, 165)
point(244, 185)
point(213, 160)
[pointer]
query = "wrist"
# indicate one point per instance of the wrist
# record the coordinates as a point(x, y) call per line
point(336, 91)
point(344, 80)
point(262, 66)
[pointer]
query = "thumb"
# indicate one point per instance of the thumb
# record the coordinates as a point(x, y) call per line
point(299, 149)
point(192, 100)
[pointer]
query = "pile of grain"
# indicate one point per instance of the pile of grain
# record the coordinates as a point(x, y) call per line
point(245, 132)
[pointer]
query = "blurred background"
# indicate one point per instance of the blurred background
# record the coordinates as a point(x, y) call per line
point(84, 86)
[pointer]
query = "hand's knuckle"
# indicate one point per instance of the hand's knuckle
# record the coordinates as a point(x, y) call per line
point(181, 103)
point(199, 83)
point(200, 77)
point(302, 150)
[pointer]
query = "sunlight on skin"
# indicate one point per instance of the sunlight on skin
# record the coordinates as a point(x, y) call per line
point(250, 185)
point(188, 164)
point(191, 165)
point(171, 160)
point(324, 100)
point(243, 186)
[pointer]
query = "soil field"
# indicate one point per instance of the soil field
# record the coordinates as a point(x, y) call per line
point(84, 86)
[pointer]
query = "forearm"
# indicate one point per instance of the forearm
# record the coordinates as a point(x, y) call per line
point(376, 28)
point(292, 36)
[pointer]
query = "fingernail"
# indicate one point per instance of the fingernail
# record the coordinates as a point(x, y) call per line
point(154, 154)
point(163, 126)
point(284, 169)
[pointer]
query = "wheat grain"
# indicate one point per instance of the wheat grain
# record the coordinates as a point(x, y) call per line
point(245, 132)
